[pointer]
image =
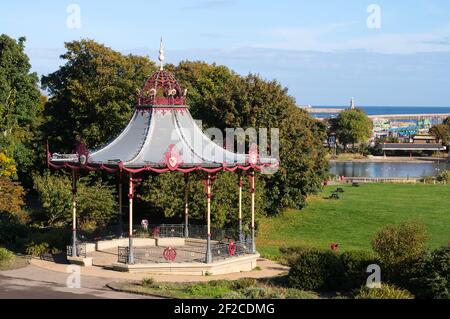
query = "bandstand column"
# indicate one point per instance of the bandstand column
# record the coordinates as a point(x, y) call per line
point(186, 206)
point(120, 206)
point(74, 214)
point(208, 258)
point(240, 184)
point(130, 228)
point(252, 191)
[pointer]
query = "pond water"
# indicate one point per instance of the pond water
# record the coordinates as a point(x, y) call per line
point(388, 170)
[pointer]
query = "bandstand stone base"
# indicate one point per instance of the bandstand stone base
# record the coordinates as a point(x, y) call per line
point(80, 261)
point(227, 266)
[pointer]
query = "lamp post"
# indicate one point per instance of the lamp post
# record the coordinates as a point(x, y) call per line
point(186, 206)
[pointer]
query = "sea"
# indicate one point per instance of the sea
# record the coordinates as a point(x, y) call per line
point(388, 110)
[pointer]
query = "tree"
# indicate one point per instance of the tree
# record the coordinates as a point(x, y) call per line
point(20, 105)
point(441, 132)
point(352, 126)
point(12, 197)
point(96, 202)
point(166, 193)
point(92, 95)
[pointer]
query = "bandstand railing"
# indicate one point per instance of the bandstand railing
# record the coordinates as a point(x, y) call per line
point(81, 250)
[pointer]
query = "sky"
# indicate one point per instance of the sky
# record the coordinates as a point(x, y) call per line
point(381, 52)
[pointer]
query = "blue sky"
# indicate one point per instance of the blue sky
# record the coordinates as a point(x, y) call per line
point(323, 50)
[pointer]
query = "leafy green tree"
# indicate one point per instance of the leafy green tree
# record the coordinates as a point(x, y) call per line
point(20, 105)
point(92, 95)
point(441, 132)
point(166, 193)
point(96, 202)
point(352, 126)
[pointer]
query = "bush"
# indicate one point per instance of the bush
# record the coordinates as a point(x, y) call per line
point(355, 268)
point(432, 281)
point(5, 255)
point(316, 270)
point(56, 239)
point(399, 245)
point(244, 283)
point(148, 282)
point(37, 250)
point(289, 255)
point(444, 177)
point(385, 292)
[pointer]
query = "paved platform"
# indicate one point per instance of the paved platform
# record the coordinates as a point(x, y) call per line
point(267, 269)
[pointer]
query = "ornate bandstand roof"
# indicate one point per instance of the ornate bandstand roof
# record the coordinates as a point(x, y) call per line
point(161, 136)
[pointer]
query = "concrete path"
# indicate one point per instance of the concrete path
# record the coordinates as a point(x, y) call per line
point(33, 282)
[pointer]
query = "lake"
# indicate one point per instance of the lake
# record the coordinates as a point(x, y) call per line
point(388, 170)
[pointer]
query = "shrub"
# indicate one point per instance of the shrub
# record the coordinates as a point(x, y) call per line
point(444, 177)
point(5, 255)
point(385, 292)
point(244, 283)
point(432, 281)
point(397, 245)
point(233, 295)
point(37, 250)
point(148, 282)
point(56, 239)
point(291, 254)
point(316, 270)
point(355, 266)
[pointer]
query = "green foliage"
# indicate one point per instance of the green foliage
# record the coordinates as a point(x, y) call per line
point(385, 292)
point(12, 230)
point(352, 126)
point(166, 193)
point(37, 250)
point(431, 280)
point(444, 177)
point(54, 239)
point(5, 255)
point(148, 282)
point(20, 105)
point(316, 270)
point(355, 266)
point(441, 132)
point(92, 94)
point(397, 245)
point(12, 197)
point(96, 202)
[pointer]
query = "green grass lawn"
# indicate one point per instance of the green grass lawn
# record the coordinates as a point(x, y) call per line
point(355, 218)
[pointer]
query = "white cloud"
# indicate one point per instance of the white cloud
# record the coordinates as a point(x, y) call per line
point(329, 38)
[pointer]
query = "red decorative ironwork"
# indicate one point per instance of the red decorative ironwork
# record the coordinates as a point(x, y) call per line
point(253, 155)
point(170, 254)
point(172, 158)
point(232, 248)
point(82, 151)
point(161, 89)
point(157, 170)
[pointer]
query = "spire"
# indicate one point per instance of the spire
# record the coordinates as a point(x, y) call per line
point(161, 55)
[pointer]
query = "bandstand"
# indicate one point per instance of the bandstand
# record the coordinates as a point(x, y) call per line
point(162, 137)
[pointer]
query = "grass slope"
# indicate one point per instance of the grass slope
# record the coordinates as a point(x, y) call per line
point(354, 219)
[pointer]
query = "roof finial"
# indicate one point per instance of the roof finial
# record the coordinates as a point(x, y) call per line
point(161, 55)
